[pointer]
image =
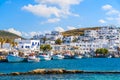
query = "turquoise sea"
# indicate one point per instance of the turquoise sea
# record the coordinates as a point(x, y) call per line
point(86, 64)
point(64, 77)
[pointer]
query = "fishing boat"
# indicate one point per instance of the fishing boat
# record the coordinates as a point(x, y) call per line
point(33, 58)
point(14, 57)
point(86, 56)
point(57, 56)
point(44, 56)
point(78, 56)
point(67, 56)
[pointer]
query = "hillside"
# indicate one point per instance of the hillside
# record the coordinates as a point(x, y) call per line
point(79, 31)
point(5, 34)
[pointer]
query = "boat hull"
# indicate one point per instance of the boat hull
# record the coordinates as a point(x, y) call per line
point(42, 57)
point(77, 57)
point(57, 57)
point(12, 58)
point(33, 60)
point(67, 56)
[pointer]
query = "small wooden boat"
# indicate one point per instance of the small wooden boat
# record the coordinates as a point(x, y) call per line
point(33, 58)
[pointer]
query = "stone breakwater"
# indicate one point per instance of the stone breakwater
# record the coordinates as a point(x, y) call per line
point(43, 71)
point(56, 71)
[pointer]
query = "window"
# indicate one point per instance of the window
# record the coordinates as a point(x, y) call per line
point(32, 43)
point(21, 46)
point(27, 46)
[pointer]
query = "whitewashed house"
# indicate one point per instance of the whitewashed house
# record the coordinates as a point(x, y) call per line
point(50, 42)
point(56, 35)
point(28, 44)
point(6, 46)
point(68, 40)
point(90, 33)
point(38, 37)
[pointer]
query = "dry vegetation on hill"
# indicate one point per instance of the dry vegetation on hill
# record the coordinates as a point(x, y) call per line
point(76, 32)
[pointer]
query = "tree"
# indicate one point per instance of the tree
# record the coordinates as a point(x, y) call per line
point(13, 44)
point(2, 41)
point(102, 51)
point(44, 39)
point(74, 40)
point(58, 41)
point(45, 47)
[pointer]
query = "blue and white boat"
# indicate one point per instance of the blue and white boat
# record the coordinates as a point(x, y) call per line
point(78, 56)
point(67, 56)
point(45, 57)
point(57, 56)
point(14, 57)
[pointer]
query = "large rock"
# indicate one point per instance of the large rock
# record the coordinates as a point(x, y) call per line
point(45, 71)
point(55, 71)
point(39, 71)
point(15, 73)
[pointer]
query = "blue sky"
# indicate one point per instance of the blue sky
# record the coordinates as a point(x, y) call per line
point(29, 17)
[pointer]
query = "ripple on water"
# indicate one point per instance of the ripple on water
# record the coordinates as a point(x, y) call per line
point(64, 77)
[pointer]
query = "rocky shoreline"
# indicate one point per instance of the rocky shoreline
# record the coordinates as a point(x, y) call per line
point(56, 71)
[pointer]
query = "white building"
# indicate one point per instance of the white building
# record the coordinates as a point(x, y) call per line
point(68, 39)
point(28, 44)
point(38, 37)
point(6, 46)
point(50, 42)
point(90, 33)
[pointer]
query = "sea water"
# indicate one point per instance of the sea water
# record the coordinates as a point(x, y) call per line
point(86, 64)
point(64, 77)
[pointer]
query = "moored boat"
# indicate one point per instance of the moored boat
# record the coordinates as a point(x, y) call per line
point(33, 58)
point(67, 56)
point(45, 57)
point(57, 56)
point(14, 57)
point(78, 56)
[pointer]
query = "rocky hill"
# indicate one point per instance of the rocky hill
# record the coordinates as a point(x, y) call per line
point(79, 31)
point(5, 34)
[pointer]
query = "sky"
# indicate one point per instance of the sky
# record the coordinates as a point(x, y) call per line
point(31, 17)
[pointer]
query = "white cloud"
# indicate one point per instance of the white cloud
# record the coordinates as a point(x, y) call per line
point(60, 29)
point(70, 27)
point(30, 34)
point(112, 14)
point(42, 10)
point(102, 21)
point(110, 10)
point(107, 7)
point(12, 30)
point(52, 8)
point(34, 33)
point(25, 34)
point(61, 3)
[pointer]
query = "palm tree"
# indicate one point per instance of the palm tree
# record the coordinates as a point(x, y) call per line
point(45, 48)
point(13, 44)
point(2, 41)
